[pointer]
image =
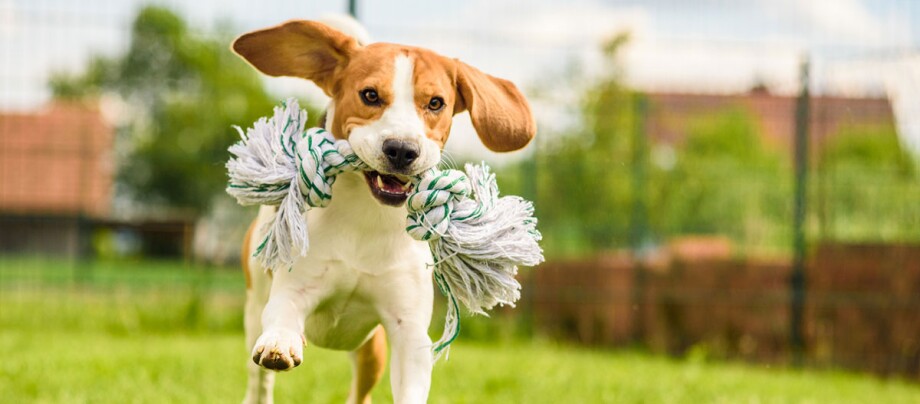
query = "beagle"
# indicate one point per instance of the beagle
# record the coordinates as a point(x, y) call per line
point(365, 278)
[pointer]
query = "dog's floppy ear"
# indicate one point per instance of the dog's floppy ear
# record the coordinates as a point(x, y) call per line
point(500, 113)
point(305, 49)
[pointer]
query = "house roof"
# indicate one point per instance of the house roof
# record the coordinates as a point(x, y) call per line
point(671, 113)
point(56, 161)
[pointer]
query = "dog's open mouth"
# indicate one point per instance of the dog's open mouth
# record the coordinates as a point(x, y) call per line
point(388, 189)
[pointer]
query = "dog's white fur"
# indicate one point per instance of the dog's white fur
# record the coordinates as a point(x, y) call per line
point(350, 282)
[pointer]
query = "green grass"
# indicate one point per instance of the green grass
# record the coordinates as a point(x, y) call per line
point(175, 338)
point(97, 367)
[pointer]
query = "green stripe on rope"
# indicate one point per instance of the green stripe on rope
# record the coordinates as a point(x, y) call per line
point(262, 244)
point(445, 290)
point(306, 181)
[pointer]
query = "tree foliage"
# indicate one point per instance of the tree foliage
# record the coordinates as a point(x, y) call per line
point(182, 91)
point(868, 185)
point(582, 188)
point(872, 147)
point(724, 181)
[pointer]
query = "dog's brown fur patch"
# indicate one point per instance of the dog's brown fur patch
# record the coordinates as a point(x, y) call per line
point(244, 257)
point(371, 363)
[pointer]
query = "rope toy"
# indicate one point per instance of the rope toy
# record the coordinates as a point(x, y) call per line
point(477, 239)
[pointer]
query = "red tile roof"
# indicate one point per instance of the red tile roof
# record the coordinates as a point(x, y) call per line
point(671, 113)
point(56, 161)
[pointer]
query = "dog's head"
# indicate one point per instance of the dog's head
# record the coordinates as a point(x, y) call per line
point(393, 103)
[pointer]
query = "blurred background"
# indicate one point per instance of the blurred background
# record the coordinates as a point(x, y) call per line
point(729, 194)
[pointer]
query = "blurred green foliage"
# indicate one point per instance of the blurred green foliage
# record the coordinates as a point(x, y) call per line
point(724, 181)
point(868, 187)
point(182, 91)
point(869, 147)
point(580, 179)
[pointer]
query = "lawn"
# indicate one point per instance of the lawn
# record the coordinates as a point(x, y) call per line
point(142, 332)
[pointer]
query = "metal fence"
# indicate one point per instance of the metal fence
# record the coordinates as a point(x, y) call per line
point(763, 170)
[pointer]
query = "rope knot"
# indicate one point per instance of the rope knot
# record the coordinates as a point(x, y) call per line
point(434, 203)
point(320, 159)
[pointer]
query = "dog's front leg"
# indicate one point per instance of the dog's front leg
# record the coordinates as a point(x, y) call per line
point(280, 347)
point(406, 316)
point(410, 369)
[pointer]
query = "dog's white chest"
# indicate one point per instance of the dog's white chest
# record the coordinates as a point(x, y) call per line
point(357, 234)
point(358, 247)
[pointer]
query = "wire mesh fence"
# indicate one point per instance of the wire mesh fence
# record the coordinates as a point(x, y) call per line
point(695, 181)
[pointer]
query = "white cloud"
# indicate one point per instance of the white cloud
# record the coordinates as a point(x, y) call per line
point(710, 67)
point(903, 82)
point(841, 21)
point(585, 24)
point(7, 17)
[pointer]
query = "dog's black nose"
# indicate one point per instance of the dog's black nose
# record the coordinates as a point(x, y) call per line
point(400, 152)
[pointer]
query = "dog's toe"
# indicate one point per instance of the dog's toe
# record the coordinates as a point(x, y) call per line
point(257, 355)
point(278, 350)
point(278, 361)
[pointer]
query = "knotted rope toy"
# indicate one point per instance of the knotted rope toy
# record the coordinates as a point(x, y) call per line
point(477, 239)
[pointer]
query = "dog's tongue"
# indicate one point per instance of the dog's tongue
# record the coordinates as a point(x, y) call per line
point(390, 183)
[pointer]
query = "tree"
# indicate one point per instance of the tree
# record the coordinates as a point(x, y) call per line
point(583, 192)
point(724, 181)
point(868, 182)
point(183, 91)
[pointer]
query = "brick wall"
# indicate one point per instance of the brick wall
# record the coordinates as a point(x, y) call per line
point(863, 305)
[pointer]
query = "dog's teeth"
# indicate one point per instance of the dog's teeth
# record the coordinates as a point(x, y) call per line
point(380, 182)
point(406, 186)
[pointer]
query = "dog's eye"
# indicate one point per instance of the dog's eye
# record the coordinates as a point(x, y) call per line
point(436, 104)
point(370, 97)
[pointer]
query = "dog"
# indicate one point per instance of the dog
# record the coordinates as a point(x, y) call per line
point(365, 280)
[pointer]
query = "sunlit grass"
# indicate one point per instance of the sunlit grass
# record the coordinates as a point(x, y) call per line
point(98, 367)
point(180, 340)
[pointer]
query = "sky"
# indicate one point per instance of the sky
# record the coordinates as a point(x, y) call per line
point(857, 47)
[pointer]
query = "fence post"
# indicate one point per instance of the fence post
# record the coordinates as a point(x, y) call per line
point(797, 280)
point(353, 8)
point(529, 189)
point(638, 226)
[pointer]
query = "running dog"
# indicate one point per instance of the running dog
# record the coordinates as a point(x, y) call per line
point(365, 278)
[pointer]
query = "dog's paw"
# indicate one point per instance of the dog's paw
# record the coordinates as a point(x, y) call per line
point(278, 349)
